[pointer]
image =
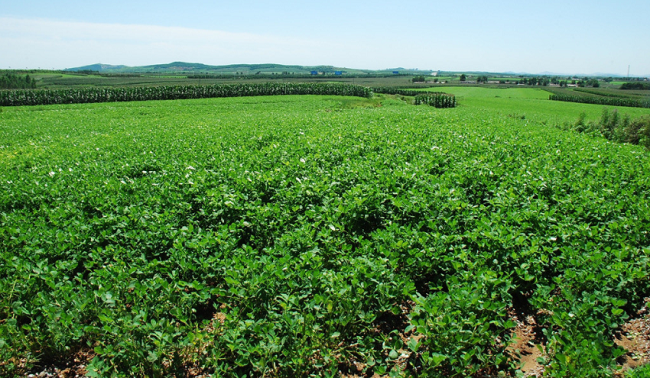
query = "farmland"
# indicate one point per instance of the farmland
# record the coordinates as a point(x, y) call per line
point(287, 236)
point(64, 80)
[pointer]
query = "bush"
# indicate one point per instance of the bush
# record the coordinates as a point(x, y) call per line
point(608, 123)
point(638, 132)
point(580, 123)
point(616, 128)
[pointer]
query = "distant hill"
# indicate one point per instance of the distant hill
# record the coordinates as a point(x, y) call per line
point(244, 69)
point(98, 67)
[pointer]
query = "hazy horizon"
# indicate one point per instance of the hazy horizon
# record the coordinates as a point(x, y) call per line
point(582, 37)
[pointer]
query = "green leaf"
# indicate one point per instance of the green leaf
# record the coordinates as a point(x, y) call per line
point(413, 345)
point(436, 359)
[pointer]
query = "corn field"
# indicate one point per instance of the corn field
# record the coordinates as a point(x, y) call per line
point(438, 100)
point(397, 91)
point(92, 95)
point(634, 103)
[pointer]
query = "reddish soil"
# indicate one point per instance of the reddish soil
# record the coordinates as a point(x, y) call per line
point(527, 345)
point(635, 338)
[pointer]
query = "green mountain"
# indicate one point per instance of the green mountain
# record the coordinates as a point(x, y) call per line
point(244, 69)
point(98, 67)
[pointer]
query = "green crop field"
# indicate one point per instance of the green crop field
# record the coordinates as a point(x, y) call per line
point(65, 81)
point(295, 236)
point(530, 103)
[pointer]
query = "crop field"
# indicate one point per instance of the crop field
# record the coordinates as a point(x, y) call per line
point(528, 103)
point(295, 236)
point(78, 80)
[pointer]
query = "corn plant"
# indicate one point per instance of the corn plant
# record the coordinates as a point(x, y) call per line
point(438, 100)
point(93, 95)
point(602, 100)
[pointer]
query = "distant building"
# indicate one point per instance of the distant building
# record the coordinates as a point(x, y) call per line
point(314, 72)
point(339, 73)
point(395, 72)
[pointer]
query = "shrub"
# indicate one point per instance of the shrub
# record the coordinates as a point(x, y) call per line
point(638, 132)
point(580, 123)
point(617, 129)
point(608, 123)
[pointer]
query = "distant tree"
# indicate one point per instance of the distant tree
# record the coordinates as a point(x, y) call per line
point(482, 79)
point(644, 86)
point(463, 77)
point(418, 79)
point(12, 81)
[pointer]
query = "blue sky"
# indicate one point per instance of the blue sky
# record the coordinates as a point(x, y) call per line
point(567, 36)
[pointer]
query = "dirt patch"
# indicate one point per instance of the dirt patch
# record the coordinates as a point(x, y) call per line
point(528, 343)
point(73, 367)
point(635, 338)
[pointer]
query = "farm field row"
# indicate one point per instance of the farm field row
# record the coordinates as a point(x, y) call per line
point(316, 235)
point(65, 81)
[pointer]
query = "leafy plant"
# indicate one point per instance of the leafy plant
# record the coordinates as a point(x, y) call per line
point(272, 236)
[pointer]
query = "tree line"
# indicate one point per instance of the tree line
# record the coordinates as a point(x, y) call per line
point(639, 85)
point(12, 81)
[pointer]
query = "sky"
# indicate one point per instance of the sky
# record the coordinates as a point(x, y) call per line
point(567, 37)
